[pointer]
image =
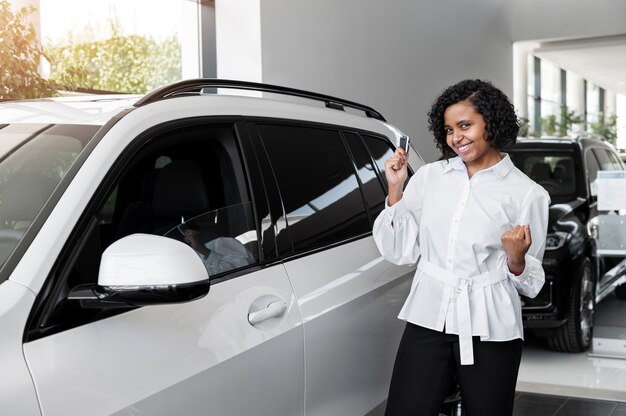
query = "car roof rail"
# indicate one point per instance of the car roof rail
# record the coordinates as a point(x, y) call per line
point(197, 85)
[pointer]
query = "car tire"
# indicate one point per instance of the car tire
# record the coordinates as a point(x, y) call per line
point(620, 291)
point(576, 335)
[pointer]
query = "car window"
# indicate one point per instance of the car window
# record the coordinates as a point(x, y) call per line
point(553, 170)
point(614, 160)
point(380, 151)
point(30, 173)
point(186, 183)
point(605, 160)
point(317, 182)
point(221, 245)
point(592, 166)
point(371, 181)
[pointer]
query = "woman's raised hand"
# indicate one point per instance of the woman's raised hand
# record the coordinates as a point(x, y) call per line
point(516, 243)
point(396, 174)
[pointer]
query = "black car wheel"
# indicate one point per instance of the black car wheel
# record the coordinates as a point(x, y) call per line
point(576, 334)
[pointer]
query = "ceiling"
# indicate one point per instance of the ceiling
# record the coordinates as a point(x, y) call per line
point(599, 60)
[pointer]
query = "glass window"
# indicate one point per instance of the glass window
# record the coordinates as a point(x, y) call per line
point(316, 178)
point(371, 183)
point(380, 150)
point(550, 89)
point(199, 197)
point(604, 159)
point(221, 245)
point(555, 171)
point(592, 166)
point(593, 103)
point(119, 45)
point(616, 162)
point(30, 173)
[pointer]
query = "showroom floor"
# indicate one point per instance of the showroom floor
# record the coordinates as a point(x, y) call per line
point(590, 384)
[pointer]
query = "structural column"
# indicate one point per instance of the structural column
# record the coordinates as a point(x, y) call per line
point(238, 40)
point(520, 78)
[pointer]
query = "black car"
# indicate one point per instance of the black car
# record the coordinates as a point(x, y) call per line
point(577, 277)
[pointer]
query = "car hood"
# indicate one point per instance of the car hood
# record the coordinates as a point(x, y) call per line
point(557, 211)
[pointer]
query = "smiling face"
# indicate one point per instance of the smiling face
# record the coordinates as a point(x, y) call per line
point(466, 135)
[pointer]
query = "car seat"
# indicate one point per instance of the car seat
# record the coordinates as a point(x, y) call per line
point(564, 171)
point(540, 172)
point(138, 216)
point(179, 194)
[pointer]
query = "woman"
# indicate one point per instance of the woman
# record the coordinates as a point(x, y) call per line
point(477, 225)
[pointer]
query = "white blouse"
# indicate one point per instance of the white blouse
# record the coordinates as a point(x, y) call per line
point(453, 224)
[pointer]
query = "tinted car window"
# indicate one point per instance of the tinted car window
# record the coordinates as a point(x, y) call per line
point(320, 192)
point(380, 151)
point(371, 182)
point(553, 170)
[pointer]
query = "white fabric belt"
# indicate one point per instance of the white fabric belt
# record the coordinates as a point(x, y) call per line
point(463, 285)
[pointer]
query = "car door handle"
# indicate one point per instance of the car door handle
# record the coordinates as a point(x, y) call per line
point(273, 310)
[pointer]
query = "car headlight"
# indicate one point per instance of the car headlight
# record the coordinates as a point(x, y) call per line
point(556, 240)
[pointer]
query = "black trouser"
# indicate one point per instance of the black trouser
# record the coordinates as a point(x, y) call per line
point(425, 366)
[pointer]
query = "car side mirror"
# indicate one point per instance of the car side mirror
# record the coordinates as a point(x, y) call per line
point(143, 269)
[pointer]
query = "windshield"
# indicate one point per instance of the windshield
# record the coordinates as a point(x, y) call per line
point(554, 170)
point(33, 160)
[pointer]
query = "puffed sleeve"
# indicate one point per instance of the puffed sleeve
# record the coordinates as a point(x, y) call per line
point(396, 227)
point(534, 212)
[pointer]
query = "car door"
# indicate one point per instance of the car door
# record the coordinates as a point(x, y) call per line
point(224, 354)
point(348, 295)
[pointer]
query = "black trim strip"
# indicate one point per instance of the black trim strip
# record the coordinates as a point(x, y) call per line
point(197, 85)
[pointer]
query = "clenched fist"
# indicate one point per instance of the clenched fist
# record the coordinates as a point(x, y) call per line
point(396, 174)
point(516, 243)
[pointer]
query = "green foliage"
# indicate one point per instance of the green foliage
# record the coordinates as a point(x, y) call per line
point(606, 127)
point(548, 125)
point(115, 61)
point(561, 127)
point(568, 119)
point(20, 56)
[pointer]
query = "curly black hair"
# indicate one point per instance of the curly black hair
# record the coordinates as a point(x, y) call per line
point(501, 122)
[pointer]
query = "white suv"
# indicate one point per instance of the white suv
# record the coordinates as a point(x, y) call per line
point(190, 252)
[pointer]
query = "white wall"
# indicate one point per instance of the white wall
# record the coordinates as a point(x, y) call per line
point(395, 56)
point(398, 55)
point(238, 40)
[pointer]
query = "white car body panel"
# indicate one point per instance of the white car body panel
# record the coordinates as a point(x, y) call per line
point(68, 110)
point(349, 297)
point(179, 359)
point(17, 392)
